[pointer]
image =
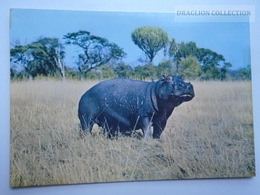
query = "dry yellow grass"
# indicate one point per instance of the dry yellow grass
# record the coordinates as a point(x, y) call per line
point(209, 137)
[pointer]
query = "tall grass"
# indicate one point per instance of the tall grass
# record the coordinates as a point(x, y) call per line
point(209, 137)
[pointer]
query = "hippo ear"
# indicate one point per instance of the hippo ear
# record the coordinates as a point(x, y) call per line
point(168, 78)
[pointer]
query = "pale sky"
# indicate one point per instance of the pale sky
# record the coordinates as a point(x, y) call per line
point(231, 39)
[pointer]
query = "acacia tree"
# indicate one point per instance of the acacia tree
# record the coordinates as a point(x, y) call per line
point(97, 51)
point(150, 40)
point(209, 58)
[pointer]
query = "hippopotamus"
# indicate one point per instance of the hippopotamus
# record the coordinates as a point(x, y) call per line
point(125, 105)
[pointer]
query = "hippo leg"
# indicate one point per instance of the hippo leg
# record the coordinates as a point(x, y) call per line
point(158, 127)
point(146, 127)
point(86, 123)
point(108, 129)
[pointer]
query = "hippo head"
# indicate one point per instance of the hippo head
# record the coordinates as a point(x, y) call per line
point(174, 91)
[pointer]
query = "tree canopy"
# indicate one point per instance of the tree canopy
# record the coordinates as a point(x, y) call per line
point(97, 51)
point(39, 57)
point(189, 67)
point(98, 58)
point(150, 40)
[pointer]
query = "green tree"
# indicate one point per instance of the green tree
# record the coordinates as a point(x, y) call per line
point(183, 51)
point(172, 49)
point(189, 67)
point(147, 71)
point(224, 71)
point(17, 75)
point(123, 71)
point(165, 68)
point(97, 51)
point(150, 40)
point(244, 73)
point(19, 55)
point(212, 64)
point(72, 73)
point(46, 52)
point(107, 72)
point(179, 51)
point(209, 58)
point(40, 57)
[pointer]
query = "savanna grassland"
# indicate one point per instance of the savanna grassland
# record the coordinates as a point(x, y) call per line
point(208, 137)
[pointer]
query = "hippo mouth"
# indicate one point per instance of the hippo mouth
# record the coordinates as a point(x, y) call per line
point(187, 95)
